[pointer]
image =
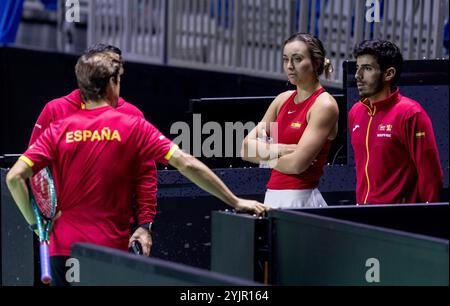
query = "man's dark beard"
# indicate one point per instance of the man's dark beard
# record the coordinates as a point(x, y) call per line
point(378, 88)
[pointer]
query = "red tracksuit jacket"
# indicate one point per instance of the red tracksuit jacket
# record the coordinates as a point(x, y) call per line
point(396, 157)
point(66, 106)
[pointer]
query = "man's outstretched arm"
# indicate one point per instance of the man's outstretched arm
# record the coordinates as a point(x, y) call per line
point(203, 177)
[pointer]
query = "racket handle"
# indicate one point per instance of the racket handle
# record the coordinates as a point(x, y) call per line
point(46, 277)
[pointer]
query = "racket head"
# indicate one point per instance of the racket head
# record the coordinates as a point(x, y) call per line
point(44, 203)
point(44, 194)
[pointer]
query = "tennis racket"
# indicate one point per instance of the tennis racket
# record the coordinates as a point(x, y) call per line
point(43, 201)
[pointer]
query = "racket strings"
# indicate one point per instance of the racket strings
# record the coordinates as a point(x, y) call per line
point(43, 193)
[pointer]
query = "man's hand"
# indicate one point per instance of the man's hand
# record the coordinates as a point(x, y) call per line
point(56, 217)
point(251, 206)
point(144, 237)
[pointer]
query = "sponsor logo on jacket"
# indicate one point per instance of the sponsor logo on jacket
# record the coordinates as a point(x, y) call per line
point(385, 131)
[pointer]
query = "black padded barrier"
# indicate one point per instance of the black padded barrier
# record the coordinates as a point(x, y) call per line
point(17, 243)
point(419, 223)
point(239, 245)
point(100, 266)
point(307, 249)
point(422, 219)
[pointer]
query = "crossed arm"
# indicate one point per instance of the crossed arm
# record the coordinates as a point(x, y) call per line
point(295, 159)
point(254, 148)
point(322, 121)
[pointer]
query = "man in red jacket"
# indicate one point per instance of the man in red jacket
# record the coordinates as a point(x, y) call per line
point(146, 185)
point(396, 157)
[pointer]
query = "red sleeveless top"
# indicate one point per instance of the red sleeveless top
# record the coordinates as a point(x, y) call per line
point(292, 123)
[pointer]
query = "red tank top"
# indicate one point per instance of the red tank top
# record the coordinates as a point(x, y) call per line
point(291, 125)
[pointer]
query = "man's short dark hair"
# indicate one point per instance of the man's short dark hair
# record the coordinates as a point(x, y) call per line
point(386, 53)
point(95, 68)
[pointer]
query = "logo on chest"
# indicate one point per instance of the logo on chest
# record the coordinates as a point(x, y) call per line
point(296, 125)
point(385, 131)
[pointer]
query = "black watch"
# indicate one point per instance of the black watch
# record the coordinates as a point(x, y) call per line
point(148, 226)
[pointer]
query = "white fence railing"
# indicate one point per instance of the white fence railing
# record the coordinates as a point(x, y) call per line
point(246, 36)
point(136, 26)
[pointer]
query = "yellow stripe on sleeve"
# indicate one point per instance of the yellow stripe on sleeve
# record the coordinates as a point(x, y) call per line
point(171, 151)
point(27, 161)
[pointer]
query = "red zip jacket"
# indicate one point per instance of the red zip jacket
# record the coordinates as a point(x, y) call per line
point(66, 106)
point(396, 157)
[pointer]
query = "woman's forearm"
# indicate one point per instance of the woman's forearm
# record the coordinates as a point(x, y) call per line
point(256, 151)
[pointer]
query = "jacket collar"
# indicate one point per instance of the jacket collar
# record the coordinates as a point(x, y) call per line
point(75, 98)
point(382, 104)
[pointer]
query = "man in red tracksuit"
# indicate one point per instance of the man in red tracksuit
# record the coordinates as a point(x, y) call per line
point(146, 185)
point(396, 157)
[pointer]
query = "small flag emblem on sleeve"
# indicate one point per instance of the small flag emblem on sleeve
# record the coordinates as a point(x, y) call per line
point(420, 134)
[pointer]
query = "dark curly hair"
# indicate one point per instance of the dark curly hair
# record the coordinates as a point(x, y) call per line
point(386, 53)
